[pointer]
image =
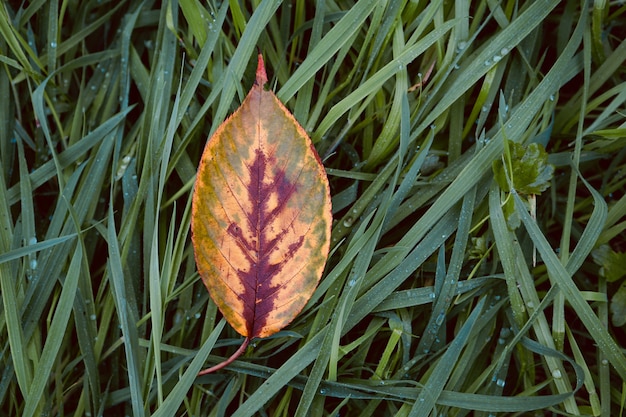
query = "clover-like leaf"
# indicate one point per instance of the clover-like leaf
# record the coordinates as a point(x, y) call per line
point(527, 169)
point(618, 306)
point(612, 263)
point(261, 216)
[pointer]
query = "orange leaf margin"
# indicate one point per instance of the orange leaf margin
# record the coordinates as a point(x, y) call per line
point(261, 216)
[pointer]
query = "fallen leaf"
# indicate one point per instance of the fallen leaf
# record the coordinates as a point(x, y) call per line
point(261, 216)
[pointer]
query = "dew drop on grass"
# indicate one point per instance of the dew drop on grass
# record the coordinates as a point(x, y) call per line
point(500, 382)
point(556, 374)
point(440, 318)
point(32, 240)
point(33, 264)
point(178, 316)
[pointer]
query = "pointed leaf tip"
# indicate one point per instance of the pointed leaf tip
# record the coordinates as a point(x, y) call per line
point(261, 75)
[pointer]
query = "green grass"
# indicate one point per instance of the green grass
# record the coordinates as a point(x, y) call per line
point(431, 303)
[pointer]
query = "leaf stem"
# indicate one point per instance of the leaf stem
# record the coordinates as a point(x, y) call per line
point(228, 361)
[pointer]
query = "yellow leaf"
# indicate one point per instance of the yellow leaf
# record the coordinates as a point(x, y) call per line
point(261, 216)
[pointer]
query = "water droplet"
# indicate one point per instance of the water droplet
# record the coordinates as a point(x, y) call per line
point(530, 305)
point(92, 317)
point(197, 315)
point(504, 51)
point(33, 264)
point(432, 295)
point(352, 282)
point(485, 109)
point(605, 362)
point(556, 374)
point(53, 44)
point(440, 318)
point(348, 222)
point(496, 58)
point(322, 391)
point(32, 240)
point(501, 341)
point(461, 46)
point(500, 382)
point(551, 97)
point(177, 317)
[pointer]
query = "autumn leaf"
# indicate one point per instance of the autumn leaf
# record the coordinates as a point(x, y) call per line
point(261, 216)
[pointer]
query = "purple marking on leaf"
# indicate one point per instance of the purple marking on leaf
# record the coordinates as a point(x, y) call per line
point(261, 271)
